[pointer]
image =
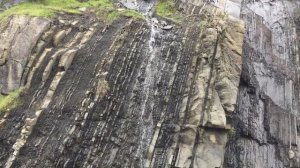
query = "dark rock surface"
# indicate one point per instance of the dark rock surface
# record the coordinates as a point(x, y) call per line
point(266, 118)
point(153, 93)
point(128, 95)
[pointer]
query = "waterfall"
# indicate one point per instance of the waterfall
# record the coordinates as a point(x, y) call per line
point(149, 72)
point(148, 86)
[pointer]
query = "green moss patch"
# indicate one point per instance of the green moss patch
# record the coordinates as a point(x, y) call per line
point(131, 13)
point(47, 8)
point(167, 9)
point(10, 101)
point(108, 13)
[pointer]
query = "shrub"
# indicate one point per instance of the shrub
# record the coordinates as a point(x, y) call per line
point(10, 101)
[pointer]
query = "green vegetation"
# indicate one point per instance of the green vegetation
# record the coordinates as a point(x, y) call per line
point(47, 8)
point(167, 9)
point(10, 101)
point(232, 132)
point(203, 24)
point(131, 13)
point(110, 14)
point(102, 88)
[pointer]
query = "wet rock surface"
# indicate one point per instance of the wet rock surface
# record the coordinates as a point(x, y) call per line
point(134, 94)
point(208, 92)
point(266, 118)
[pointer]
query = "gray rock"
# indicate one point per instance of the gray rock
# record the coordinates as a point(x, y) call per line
point(266, 115)
point(167, 27)
point(16, 44)
point(133, 95)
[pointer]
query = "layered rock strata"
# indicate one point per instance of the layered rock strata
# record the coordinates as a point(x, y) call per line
point(124, 95)
point(266, 118)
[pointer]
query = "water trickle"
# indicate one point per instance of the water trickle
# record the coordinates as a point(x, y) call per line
point(150, 74)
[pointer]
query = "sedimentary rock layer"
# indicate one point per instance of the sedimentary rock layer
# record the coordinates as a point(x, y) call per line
point(126, 95)
point(266, 118)
point(207, 91)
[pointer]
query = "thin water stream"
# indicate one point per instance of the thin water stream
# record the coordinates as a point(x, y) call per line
point(150, 74)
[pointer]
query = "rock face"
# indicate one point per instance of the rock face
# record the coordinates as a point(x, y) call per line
point(209, 92)
point(266, 118)
point(131, 95)
point(19, 35)
point(5, 4)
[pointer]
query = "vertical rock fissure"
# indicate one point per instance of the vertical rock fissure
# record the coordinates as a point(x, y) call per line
point(204, 106)
point(205, 100)
point(266, 113)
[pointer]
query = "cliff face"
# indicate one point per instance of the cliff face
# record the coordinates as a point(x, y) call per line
point(5, 4)
point(153, 92)
point(266, 117)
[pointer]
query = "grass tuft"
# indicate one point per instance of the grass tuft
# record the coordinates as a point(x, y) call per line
point(132, 14)
point(167, 9)
point(10, 101)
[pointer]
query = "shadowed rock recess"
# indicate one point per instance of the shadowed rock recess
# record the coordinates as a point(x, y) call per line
point(217, 88)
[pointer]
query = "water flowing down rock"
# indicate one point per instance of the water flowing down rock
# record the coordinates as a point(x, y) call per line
point(210, 84)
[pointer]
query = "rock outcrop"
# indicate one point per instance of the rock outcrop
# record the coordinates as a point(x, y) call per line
point(209, 91)
point(19, 36)
point(266, 118)
point(133, 95)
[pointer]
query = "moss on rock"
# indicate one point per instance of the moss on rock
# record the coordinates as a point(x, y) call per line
point(167, 9)
point(104, 9)
point(10, 101)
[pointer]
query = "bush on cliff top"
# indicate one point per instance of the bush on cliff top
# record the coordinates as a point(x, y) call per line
point(48, 8)
point(167, 9)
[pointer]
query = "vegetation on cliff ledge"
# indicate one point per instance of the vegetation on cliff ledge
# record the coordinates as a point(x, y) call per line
point(10, 101)
point(48, 8)
point(167, 10)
